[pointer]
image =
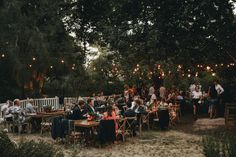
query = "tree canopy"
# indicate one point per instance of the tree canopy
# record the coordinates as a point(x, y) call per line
point(39, 53)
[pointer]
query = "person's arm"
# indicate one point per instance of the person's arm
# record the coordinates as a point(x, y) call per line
point(221, 89)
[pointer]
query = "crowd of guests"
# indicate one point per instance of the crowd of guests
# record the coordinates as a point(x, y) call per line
point(13, 112)
point(131, 102)
point(211, 97)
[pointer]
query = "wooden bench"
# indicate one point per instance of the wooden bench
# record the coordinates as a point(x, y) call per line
point(230, 115)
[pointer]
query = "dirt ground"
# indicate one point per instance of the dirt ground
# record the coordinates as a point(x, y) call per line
point(183, 140)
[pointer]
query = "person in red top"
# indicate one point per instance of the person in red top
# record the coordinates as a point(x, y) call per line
point(110, 114)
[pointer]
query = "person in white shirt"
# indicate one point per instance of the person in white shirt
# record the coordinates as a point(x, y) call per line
point(219, 104)
point(4, 108)
point(8, 112)
point(197, 97)
point(218, 88)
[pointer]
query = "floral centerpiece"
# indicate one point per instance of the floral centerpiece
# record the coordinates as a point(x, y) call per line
point(47, 108)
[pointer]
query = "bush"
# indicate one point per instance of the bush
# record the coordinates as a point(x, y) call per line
point(7, 147)
point(26, 149)
point(214, 147)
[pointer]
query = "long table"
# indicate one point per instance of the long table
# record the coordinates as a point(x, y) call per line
point(46, 118)
point(86, 123)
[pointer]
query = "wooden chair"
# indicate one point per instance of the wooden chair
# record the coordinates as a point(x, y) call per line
point(144, 120)
point(46, 124)
point(121, 128)
point(230, 115)
point(130, 125)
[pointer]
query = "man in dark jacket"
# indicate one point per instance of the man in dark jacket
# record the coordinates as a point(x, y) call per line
point(89, 108)
point(78, 112)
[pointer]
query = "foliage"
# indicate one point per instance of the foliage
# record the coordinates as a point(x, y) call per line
point(216, 147)
point(7, 147)
point(127, 33)
point(26, 149)
point(33, 39)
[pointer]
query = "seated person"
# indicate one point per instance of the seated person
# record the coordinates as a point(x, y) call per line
point(89, 107)
point(137, 107)
point(8, 116)
point(77, 111)
point(29, 107)
point(18, 112)
point(110, 114)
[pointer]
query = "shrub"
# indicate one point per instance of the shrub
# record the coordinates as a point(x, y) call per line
point(211, 146)
point(26, 149)
point(214, 147)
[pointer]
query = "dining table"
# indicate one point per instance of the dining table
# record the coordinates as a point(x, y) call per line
point(88, 129)
point(44, 119)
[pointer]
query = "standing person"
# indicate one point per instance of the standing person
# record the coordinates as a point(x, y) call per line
point(212, 93)
point(162, 91)
point(197, 97)
point(192, 88)
point(151, 92)
point(220, 91)
point(126, 93)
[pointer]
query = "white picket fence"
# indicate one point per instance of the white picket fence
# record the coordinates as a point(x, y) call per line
point(40, 103)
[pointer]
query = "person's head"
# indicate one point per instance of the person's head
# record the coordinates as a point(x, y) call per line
point(138, 102)
point(90, 102)
point(216, 82)
point(126, 87)
point(197, 88)
point(17, 102)
point(10, 103)
point(31, 101)
point(81, 103)
point(109, 110)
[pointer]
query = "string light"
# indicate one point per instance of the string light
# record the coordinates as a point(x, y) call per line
point(3, 55)
point(208, 67)
point(51, 66)
point(196, 74)
point(62, 61)
point(30, 65)
point(34, 58)
point(189, 75)
point(73, 68)
point(213, 74)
